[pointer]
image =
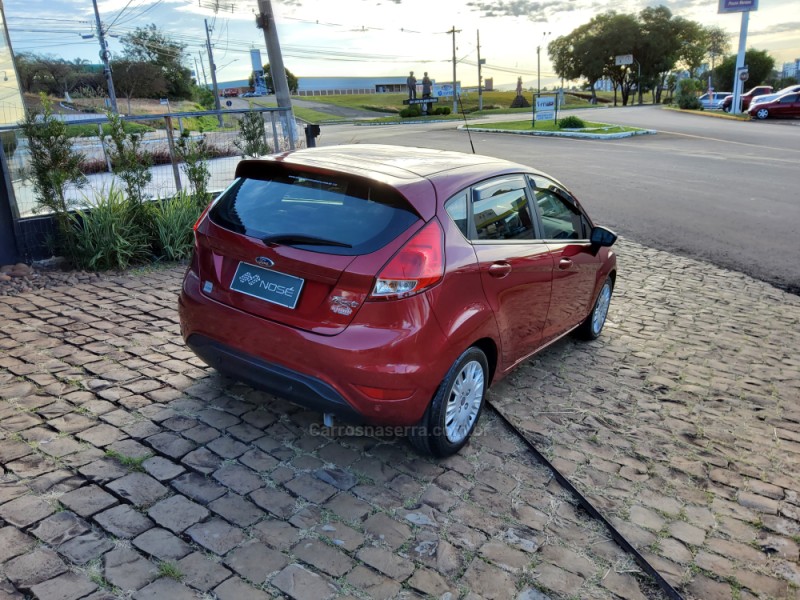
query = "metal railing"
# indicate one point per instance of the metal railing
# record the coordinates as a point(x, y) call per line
point(168, 178)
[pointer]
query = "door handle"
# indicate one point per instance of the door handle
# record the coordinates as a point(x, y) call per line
point(564, 264)
point(500, 269)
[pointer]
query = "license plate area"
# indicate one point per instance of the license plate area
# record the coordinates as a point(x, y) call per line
point(265, 284)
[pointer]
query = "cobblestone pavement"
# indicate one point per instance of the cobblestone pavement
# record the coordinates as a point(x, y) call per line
point(129, 470)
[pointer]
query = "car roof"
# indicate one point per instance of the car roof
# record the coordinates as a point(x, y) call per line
point(401, 162)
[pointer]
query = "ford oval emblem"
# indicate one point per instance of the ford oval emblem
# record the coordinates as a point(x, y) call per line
point(264, 261)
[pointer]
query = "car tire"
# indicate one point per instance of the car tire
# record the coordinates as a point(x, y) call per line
point(455, 409)
point(762, 113)
point(592, 325)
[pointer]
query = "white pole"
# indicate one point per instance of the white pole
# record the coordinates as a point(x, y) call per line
point(737, 82)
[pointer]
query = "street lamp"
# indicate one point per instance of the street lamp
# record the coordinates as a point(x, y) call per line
point(539, 63)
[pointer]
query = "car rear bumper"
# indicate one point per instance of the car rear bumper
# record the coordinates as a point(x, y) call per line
point(293, 386)
point(401, 351)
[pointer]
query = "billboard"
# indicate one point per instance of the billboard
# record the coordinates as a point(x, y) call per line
point(444, 90)
point(732, 6)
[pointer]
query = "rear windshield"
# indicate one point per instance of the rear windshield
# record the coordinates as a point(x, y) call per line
point(346, 216)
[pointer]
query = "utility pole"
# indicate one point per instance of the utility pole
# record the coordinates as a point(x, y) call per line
point(480, 79)
point(738, 82)
point(265, 20)
point(454, 31)
point(213, 69)
point(203, 67)
point(104, 56)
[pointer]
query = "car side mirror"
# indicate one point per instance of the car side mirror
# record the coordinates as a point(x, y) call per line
point(603, 237)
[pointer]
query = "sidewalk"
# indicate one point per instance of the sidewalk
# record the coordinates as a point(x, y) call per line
point(131, 470)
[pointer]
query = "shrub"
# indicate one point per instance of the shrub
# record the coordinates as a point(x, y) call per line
point(411, 111)
point(171, 222)
point(108, 236)
point(686, 96)
point(129, 160)
point(445, 110)
point(571, 122)
point(194, 154)
point(251, 142)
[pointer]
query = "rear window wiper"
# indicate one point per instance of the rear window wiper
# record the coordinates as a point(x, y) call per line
point(301, 240)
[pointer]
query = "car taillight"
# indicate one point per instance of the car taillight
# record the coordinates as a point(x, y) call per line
point(417, 266)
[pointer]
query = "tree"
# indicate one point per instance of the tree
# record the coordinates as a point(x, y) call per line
point(131, 162)
point(290, 77)
point(759, 65)
point(151, 45)
point(142, 79)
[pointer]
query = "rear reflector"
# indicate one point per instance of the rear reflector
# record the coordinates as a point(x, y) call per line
point(384, 394)
point(417, 266)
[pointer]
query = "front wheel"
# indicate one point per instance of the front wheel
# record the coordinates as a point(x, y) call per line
point(593, 324)
point(762, 113)
point(453, 413)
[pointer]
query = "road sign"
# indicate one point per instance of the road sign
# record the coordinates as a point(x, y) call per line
point(623, 59)
point(545, 103)
point(546, 115)
point(732, 6)
point(744, 75)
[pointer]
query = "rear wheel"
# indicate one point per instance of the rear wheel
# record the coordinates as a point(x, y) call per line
point(453, 413)
point(762, 113)
point(593, 324)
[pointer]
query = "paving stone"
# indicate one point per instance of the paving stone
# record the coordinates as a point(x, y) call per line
point(278, 534)
point(348, 507)
point(301, 584)
point(338, 478)
point(487, 580)
point(162, 468)
point(69, 586)
point(88, 500)
point(623, 585)
point(11, 450)
point(101, 435)
point(202, 460)
point(171, 445)
point(341, 535)
point(32, 465)
point(35, 567)
point(60, 447)
point(236, 509)
point(227, 447)
point(385, 529)
point(60, 481)
point(259, 461)
point(162, 544)
point(505, 557)
point(127, 569)
point(310, 488)
point(558, 580)
point(386, 562)
point(139, 489)
point(72, 423)
point(26, 510)
point(103, 470)
point(255, 561)
point(430, 583)
point(371, 583)
point(198, 488)
point(86, 547)
point(279, 503)
point(177, 513)
point(237, 589)
point(165, 588)
point(130, 449)
point(123, 522)
point(325, 558)
point(201, 573)
point(238, 478)
point(13, 543)
point(139, 430)
point(201, 434)
point(216, 535)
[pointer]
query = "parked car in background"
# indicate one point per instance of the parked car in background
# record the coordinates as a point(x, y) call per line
point(391, 285)
point(713, 101)
point(787, 105)
point(759, 90)
point(770, 97)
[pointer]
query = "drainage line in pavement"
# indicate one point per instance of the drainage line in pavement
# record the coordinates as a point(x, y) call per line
point(593, 512)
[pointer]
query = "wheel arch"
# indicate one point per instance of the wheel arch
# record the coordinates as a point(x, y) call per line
point(489, 348)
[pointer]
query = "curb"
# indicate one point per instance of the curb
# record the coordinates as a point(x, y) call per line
point(403, 123)
point(568, 134)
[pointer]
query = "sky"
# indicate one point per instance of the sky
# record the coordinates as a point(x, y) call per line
point(372, 37)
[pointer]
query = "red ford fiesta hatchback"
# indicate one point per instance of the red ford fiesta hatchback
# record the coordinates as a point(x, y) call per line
point(391, 285)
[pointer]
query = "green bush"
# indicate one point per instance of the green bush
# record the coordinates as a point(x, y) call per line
point(571, 122)
point(171, 223)
point(91, 130)
point(445, 110)
point(108, 236)
point(201, 124)
point(411, 111)
point(686, 96)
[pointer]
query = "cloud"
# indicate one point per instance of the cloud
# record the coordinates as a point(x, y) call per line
point(791, 27)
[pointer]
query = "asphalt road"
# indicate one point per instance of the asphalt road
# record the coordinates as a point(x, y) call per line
point(720, 190)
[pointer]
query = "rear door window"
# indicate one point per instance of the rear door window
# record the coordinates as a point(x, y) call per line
point(501, 211)
point(321, 213)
